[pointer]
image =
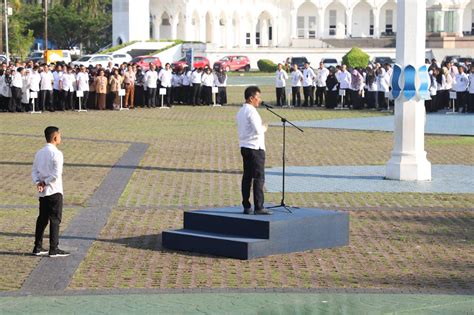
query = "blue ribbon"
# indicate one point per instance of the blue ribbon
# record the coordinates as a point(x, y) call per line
point(424, 82)
point(409, 90)
point(397, 71)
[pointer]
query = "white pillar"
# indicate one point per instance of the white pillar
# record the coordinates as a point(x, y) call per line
point(174, 27)
point(408, 161)
point(215, 30)
point(294, 25)
point(202, 28)
point(376, 13)
point(459, 21)
point(349, 23)
point(188, 27)
point(321, 33)
point(264, 33)
point(253, 30)
point(229, 27)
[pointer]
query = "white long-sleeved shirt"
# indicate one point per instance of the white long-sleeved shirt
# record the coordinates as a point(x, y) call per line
point(151, 78)
point(196, 77)
point(35, 80)
point(82, 81)
point(461, 82)
point(250, 128)
point(296, 78)
point(17, 80)
point(308, 77)
point(280, 78)
point(344, 78)
point(165, 77)
point(321, 77)
point(69, 80)
point(48, 168)
point(208, 79)
point(46, 81)
point(58, 77)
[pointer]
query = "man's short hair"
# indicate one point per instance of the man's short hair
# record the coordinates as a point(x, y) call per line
point(251, 91)
point(49, 133)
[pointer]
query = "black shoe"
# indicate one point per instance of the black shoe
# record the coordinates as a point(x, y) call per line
point(58, 253)
point(248, 211)
point(39, 251)
point(263, 212)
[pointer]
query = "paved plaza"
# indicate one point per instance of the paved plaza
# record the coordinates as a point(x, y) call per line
point(130, 175)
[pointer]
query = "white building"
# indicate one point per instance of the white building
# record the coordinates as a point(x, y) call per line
point(277, 23)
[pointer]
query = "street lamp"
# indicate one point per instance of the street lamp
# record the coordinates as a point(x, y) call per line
point(6, 9)
point(45, 31)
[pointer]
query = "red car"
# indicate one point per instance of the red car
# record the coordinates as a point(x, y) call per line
point(199, 62)
point(144, 61)
point(233, 63)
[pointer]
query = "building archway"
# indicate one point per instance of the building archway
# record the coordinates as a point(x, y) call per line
point(362, 20)
point(165, 26)
point(237, 37)
point(335, 20)
point(209, 26)
point(388, 18)
point(306, 21)
point(264, 30)
point(181, 28)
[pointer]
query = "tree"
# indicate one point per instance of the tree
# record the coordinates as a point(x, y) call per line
point(356, 58)
point(21, 37)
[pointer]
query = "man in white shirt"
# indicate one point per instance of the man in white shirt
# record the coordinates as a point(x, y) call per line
point(57, 87)
point(461, 83)
point(150, 82)
point(46, 90)
point(17, 85)
point(47, 176)
point(280, 83)
point(296, 82)
point(35, 80)
point(196, 81)
point(165, 77)
point(252, 147)
point(321, 77)
point(82, 83)
point(345, 78)
point(308, 80)
point(69, 79)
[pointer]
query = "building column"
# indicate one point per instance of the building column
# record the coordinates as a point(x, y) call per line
point(264, 33)
point(215, 26)
point(202, 28)
point(188, 19)
point(253, 37)
point(376, 13)
point(294, 25)
point(174, 27)
point(321, 16)
point(459, 22)
point(408, 161)
point(349, 23)
point(275, 32)
point(229, 29)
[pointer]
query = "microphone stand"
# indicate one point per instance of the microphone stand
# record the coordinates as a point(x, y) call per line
point(284, 122)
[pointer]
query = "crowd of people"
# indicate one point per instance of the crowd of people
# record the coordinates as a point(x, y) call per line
point(28, 86)
point(368, 88)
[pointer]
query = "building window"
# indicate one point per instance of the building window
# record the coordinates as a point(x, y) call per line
point(270, 33)
point(312, 27)
point(389, 22)
point(440, 21)
point(472, 22)
point(300, 26)
point(371, 27)
point(165, 21)
point(247, 38)
point(332, 22)
point(257, 38)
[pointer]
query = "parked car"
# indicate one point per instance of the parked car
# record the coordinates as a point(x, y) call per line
point(120, 58)
point(329, 62)
point(454, 58)
point(199, 62)
point(93, 60)
point(383, 60)
point(300, 61)
point(36, 56)
point(144, 61)
point(54, 56)
point(233, 63)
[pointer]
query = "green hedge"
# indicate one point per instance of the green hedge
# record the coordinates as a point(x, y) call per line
point(266, 65)
point(356, 58)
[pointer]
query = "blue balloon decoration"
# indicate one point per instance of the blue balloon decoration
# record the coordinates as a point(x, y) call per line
point(424, 82)
point(409, 90)
point(397, 71)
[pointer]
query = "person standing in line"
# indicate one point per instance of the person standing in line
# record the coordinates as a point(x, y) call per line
point(150, 79)
point(461, 83)
point(308, 80)
point(139, 89)
point(196, 81)
point(25, 90)
point(382, 87)
point(165, 77)
point(470, 104)
point(333, 89)
point(207, 84)
point(357, 87)
point(344, 78)
point(296, 82)
point(321, 77)
point(129, 78)
point(46, 90)
point(17, 85)
point(47, 176)
point(82, 83)
point(115, 82)
point(68, 81)
point(371, 84)
point(57, 88)
point(186, 88)
point(101, 83)
point(280, 83)
point(251, 132)
point(35, 81)
point(220, 80)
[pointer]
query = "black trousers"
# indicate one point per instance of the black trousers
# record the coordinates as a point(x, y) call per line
point(254, 173)
point(470, 103)
point(196, 94)
point(295, 96)
point(84, 100)
point(221, 95)
point(308, 96)
point(57, 100)
point(461, 101)
point(50, 211)
point(46, 100)
point(206, 94)
point(320, 95)
point(281, 96)
point(151, 96)
point(15, 104)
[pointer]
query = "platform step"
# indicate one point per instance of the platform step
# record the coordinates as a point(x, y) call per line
point(218, 244)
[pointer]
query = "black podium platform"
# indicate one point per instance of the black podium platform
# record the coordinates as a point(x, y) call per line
point(230, 233)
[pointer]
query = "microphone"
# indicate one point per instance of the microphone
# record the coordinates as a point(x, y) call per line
point(266, 105)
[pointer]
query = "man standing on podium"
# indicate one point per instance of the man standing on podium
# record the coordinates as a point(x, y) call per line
point(252, 147)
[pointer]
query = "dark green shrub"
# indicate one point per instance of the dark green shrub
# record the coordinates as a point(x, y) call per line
point(356, 58)
point(266, 65)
